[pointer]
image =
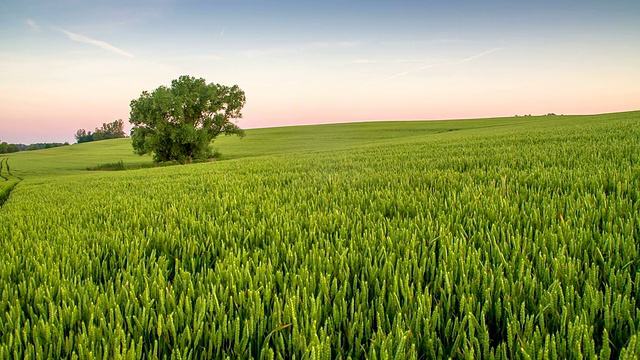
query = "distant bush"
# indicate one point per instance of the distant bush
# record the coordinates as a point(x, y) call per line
point(109, 166)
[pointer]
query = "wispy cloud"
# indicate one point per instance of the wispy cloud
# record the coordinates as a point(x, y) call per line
point(477, 56)
point(101, 44)
point(462, 61)
point(403, 73)
point(32, 24)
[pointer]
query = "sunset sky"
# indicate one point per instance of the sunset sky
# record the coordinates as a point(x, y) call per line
point(66, 65)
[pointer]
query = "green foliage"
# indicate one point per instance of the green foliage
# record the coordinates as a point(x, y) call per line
point(113, 130)
point(109, 166)
point(82, 136)
point(498, 241)
point(40, 146)
point(8, 148)
point(180, 122)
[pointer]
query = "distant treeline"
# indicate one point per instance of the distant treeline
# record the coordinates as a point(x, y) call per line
point(113, 130)
point(6, 148)
point(38, 146)
point(9, 148)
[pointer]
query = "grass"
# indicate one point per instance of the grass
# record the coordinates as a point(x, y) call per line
point(494, 238)
point(73, 159)
point(6, 186)
point(77, 158)
point(116, 166)
point(314, 138)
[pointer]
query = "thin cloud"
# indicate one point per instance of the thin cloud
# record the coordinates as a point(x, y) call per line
point(32, 24)
point(471, 58)
point(462, 61)
point(101, 44)
point(403, 73)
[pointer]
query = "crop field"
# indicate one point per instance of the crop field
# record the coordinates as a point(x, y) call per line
point(7, 180)
point(511, 238)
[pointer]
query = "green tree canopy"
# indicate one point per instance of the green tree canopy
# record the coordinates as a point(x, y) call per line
point(180, 122)
point(8, 148)
point(82, 136)
point(112, 130)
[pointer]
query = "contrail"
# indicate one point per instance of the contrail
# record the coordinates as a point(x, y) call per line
point(471, 58)
point(101, 44)
point(403, 73)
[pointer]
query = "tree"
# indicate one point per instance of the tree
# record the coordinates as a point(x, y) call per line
point(8, 148)
point(180, 122)
point(82, 136)
point(112, 130)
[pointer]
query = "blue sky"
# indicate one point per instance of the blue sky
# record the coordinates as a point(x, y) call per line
point(66, 65)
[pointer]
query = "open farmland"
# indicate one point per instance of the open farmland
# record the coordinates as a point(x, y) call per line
point(497, 238)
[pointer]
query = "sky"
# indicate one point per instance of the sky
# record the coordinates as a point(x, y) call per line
point(72, 64)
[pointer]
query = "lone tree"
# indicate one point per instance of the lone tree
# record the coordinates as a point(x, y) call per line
point(180, 122)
